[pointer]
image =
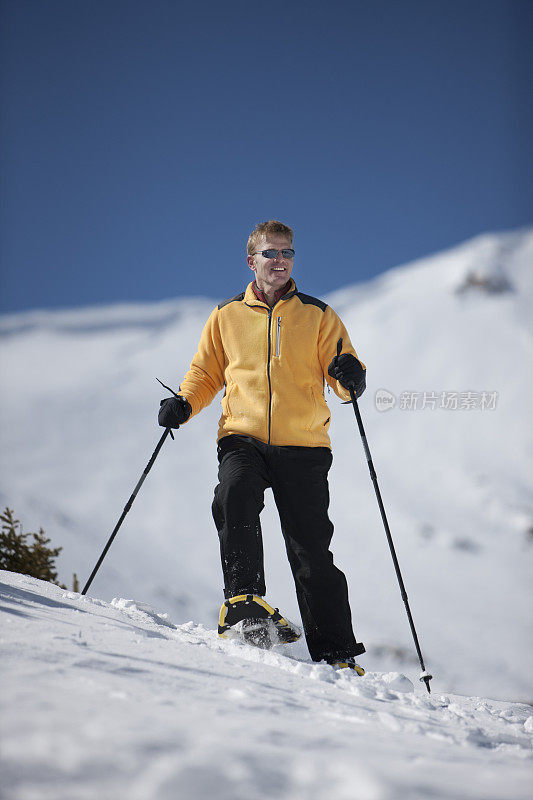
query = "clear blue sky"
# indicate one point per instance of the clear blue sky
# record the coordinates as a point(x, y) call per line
point(142, 140)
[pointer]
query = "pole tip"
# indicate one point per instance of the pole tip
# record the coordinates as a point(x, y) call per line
point(425, 677)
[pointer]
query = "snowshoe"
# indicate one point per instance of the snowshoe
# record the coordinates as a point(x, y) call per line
point(252, 619)
point(256, 632)
point(348, 663)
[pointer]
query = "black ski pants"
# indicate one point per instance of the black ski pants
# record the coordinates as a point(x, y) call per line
point(298, 478)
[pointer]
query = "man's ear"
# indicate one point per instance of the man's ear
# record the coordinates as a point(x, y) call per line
point(251, 264)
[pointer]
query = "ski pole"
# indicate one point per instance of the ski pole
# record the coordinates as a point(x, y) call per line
point(424, 676)
point(128, 506)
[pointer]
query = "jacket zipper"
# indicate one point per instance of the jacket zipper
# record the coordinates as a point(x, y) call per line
point(268, 374)
point(278, 337)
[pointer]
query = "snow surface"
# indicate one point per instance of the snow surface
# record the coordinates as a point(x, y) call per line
point(78, 424)
point(114, 700)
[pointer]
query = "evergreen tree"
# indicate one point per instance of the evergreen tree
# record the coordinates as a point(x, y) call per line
point(17, 555)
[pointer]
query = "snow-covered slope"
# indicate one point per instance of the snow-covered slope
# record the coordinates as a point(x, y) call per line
point(114, 700)
point(78, 409)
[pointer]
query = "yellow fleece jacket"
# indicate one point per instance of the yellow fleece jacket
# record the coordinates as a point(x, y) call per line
point(273, 363)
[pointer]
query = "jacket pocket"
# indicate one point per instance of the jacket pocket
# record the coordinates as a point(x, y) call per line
point(226, 403)
point(278, 337)
point(313, 408)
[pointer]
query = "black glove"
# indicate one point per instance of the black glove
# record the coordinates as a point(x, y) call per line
point(349, 372)
point(174, 411)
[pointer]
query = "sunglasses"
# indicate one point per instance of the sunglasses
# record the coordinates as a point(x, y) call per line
point(287, 253)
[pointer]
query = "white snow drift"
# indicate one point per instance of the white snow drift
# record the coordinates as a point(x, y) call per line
point(115, 701)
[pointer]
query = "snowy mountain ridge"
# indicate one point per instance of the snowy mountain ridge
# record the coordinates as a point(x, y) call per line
point(78, 426)
point(494, 258)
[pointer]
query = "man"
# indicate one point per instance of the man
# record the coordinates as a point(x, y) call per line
point(272, 348)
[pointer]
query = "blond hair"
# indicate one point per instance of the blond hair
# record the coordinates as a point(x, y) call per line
point(270, 226)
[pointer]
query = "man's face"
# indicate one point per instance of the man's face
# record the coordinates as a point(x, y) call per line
point(271, 273)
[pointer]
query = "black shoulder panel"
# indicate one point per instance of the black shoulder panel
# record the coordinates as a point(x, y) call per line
point(231, 300)
point(311, 301)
